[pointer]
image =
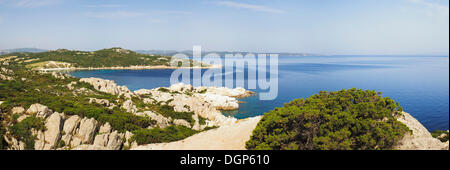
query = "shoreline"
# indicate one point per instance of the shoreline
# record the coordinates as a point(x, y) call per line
point(160, 67)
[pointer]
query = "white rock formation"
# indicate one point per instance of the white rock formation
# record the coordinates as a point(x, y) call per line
point(420, 139)
point(108, 86)
point(39, 110)
point(17, 110)
point(53, 129)
point(161, 121)
point(102, 102)
point(181, 122)
point(220, 102)
point(69, 129)
point(85, 134)
point(129, 106)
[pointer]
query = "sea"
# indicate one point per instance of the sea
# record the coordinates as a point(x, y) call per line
point(419, 83)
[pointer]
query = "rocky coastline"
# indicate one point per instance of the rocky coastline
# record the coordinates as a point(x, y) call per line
point(73, 132)
point(80, 133)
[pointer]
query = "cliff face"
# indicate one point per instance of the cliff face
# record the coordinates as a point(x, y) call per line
point(420, 138)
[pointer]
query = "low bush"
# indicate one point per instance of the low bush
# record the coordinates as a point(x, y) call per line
point(158, 135)
point(21, 131)
point(344, 120)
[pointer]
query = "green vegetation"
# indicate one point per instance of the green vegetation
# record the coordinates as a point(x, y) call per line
point(21, 131)
point(113, 57)
point(168, 111)
point(30, 87)
point(158, 135)
point(344, 120)
point(3, 143)
point(52, 92)
point(437, 134)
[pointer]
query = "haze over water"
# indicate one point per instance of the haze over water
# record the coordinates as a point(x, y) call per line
point(419, 83)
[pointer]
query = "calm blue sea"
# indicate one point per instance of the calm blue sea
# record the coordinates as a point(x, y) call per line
point(419, 83)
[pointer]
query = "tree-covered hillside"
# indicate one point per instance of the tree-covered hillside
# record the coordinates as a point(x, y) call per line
point(344, 120)
point(113, 57)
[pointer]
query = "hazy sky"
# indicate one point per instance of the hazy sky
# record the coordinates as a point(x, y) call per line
point(315, 26)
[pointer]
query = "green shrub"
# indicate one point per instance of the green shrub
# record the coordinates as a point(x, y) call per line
point(168, 111)
point(344, 120)
point(158, 135)
point(22, 130)
point(53, 93)
point(165, 90)
point(438, 133)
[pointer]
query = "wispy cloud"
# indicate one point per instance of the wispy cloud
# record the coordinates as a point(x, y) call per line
point(156, 15)
point(114, 14)
point(434, 5)
point(104, 6)
point(30, 3)
point(253, 7)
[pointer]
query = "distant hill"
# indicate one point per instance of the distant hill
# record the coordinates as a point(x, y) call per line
point(221, 53)
point(112, 57)
point(22, 50)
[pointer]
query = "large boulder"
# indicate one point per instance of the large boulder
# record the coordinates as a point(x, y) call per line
point(223, 91)
point(39, 110)
point(161, 121)
point(70, 126)
point(109, 141)
point(86, 132)
point(180, 87)
point(52, 133)
point(129, 106)
point(17, 110)
point(181, 122)
point(220, 102)
point(39, 143)
point(108, 86)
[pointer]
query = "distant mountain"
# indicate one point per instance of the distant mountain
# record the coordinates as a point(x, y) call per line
point(221, 53)
point(19, 50)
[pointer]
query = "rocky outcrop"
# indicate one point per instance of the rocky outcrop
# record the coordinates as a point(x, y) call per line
point(72, 132)
point(108, 86)
point(223, 91)
point(203, 101)
point(52, 133)
point(103, 102)
point(419, 138)
point(220, 102)
point(69, 129)
point(39, 110)
point(181, 122)
point(17, 110)
point(86, 131)
point(129, 106)
point(161, 121)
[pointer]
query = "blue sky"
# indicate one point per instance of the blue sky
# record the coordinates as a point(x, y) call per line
point(326, 26)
